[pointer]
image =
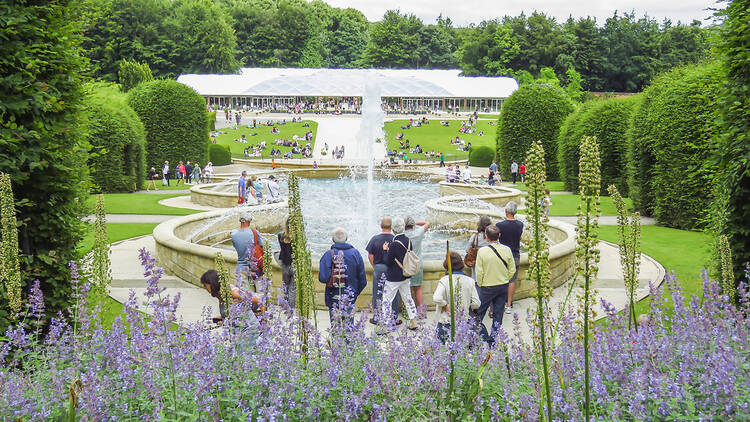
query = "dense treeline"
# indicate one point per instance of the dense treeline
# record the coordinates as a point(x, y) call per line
point(183, 36)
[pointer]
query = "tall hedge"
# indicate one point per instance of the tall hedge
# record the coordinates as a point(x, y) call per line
point(534, 112)
point(481, 156)
point(608, 120)
point(42, 145)
point(219, 155)
point(670, 147)
point(175, 120)
point(117, 139)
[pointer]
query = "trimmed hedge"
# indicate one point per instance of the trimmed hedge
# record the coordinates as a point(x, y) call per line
point(219, 155)
point(175, 120)
point(212, 121)
point(608, 120)
point(117, 138)
point(670, 147)
point(534, 112)
point(481, 156)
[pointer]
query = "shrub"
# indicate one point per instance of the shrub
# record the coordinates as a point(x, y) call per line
point(132, 73)
point(212, 121)
point(219, 155)
point(608, 120)
point(117, 139)
point(481, 156)
point(42, 145)
point(673, 128)
point(174, 117)
point(534, 112)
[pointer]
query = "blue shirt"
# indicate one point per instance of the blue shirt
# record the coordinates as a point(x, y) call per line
point(243, 241)
point(241, 186)
point(493, 167)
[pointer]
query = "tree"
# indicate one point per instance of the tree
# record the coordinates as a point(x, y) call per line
point(174, 117)
point(488, 50)
point(394, 41)
point(573, 87)
point(533, 113)
point(132, 73)
point(42, 142)
point(348, 40)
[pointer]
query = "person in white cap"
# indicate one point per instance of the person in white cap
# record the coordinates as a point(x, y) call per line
point(244, 241)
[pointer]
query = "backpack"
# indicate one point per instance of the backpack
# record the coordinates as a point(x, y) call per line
point(258, 252)
point(411, 264)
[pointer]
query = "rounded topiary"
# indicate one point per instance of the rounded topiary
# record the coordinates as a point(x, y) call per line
point(670, 147)
point(117, 139)
point(608, 120)
point(481, 156)
point(175, 120)
point(219, 155)
point(533, 113)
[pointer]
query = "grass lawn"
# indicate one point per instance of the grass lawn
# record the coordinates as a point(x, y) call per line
point(567, 205)
point(552, 185)
point(494, 117)
point(172, 186)
point(117, 232)
point(140, 203)
point(435, 136)
point(684, 252)
point(287, 131)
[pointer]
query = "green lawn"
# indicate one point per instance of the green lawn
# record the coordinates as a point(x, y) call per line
point(434, 136)
point(684, 252)
point(567, 205)
point(552, 185)
point(287, 131)
point(140, 203)
point(172, 185)
point(494, 117)
point(117, 232)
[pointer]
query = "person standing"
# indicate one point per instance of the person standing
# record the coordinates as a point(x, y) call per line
point(477, 241)
point(342, 270)
point(514, 171)
point(442, 160)
point(288, 282)
point(376, 255)
point(396, 281)
point(273, 188)
point(466, 174)
point(197, 173)
point(415, 231)
point(189, 172)
point(152, 176)
point(242, 188)
point(180, 173)
point(209, 171)
point(510, 236)
point(258, 186)
point(494, 268)
point(493, 167)
point(465, 295)
point(165, 173)
point(244, 240)
point(522, 171)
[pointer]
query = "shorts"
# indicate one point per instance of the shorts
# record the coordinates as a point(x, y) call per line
point(515, 274)
point(416, 279)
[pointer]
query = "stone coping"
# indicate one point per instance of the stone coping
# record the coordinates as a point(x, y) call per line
point(266, 163)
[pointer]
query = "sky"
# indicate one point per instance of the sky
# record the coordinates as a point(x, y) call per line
point(463, 12)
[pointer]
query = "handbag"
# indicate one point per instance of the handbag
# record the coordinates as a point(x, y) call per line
point(470, 260)
point(163, 181)
point(258, 253)
point(411, 264)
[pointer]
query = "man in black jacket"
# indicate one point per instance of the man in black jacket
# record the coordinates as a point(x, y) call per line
point(396, 281)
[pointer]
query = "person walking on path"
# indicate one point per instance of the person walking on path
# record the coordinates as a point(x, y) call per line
point(242, 188)
point(494, 268)
point(396, 281)
point(442, 160)
point(466, 174)
point(165, 173)
point(152, 176)
point(342, 270)
point(377, 260)
point(465, 297)
point(415, 231)
point(197, 173)
point(180, 173)
point(514, 171)
point(288, 282)
point(522, 171)
point(510, 236)
point(189, 172)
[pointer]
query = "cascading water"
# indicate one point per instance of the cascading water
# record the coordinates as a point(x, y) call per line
point(370, 130)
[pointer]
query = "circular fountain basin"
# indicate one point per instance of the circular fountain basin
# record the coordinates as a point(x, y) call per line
point(187, 246)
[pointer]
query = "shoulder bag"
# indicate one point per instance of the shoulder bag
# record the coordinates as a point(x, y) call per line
point(470, 260)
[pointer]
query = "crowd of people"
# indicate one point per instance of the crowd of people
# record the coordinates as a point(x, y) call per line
point(253, 187)
point(182, 174)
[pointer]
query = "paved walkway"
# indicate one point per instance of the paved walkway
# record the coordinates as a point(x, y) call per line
point(127, 275)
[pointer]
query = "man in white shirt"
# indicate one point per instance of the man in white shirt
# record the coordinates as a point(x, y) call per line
point(273, 189)
point(466, 174)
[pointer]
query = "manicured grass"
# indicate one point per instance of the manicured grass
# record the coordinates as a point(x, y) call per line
point(567, 205)
point(287, 131)
point(172, 186)
point(494, 117)
point(552, 185)
point(434, 136)
point(140, 203)
point(684, 252)
point(117, 232)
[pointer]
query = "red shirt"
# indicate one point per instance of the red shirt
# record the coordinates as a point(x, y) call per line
point(181, 169)
point(522, 169)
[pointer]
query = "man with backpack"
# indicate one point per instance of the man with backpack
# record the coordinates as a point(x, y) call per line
point(494, 268)
point(342, 270)
point(249, 246)
point(402, 263)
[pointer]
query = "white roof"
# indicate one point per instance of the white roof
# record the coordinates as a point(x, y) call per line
point(307, 82)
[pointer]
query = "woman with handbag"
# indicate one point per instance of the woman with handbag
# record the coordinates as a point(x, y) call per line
point(476, 241)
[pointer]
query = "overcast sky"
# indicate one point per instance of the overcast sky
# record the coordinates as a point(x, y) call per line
point(463, 12)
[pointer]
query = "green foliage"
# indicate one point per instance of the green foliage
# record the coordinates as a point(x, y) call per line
point(219, 155)
point(532, 113)
point(608, 121)
point(117, 138)
point(670, 147)
point(732, 210)
point(10, 271)
point(573, 87)
point(100, 268)
point(481, 156)
point(488, 49)
point(629, 240)
point(175, 120)
point(42, 146)
point(394, 41)
point(132, 73)
point(211, 121)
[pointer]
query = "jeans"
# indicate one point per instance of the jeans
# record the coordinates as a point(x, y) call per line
point(392, 288)
point(491, 297)
point(289, 285)
point(377, 290)
point(514, 177)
